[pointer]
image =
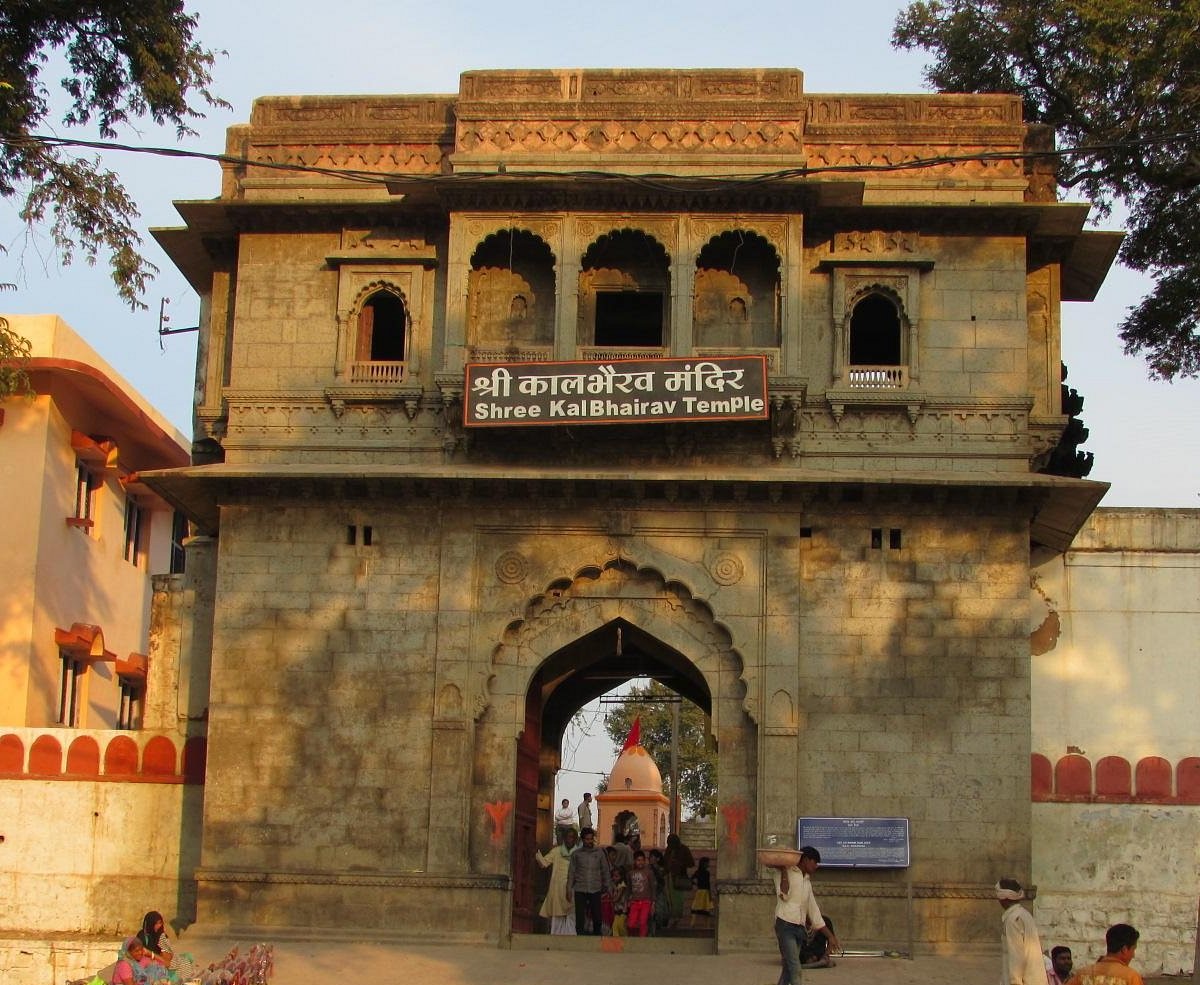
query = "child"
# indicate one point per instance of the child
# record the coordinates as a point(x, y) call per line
point(643, 887)
point(620, 902)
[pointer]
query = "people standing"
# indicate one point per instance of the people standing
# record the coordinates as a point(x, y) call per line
point(643, 887)
point(564, 819)
point(797, 913)
point(702, 903)
point(558, 907)
point(1121, 941)
point(585, 812)
point(1020, 946)
point(678, 861)
point(588, 879)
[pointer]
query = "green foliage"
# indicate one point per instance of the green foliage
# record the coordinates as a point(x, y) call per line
point(127, 61)
point(14, 357)
point(1121, 77)
point(697, 763)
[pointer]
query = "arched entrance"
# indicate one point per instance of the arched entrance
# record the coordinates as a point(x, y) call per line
point(568, 655)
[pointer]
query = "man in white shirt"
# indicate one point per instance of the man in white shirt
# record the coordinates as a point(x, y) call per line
point(1020, 945)
point(797, 913)
point(564, 818)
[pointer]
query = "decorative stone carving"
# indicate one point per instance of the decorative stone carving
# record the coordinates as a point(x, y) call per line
point(512, 568)
point(726, 568)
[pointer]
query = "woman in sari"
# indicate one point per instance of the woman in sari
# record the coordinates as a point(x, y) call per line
point(136, 965)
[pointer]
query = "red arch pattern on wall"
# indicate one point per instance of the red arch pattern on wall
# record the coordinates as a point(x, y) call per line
point(130, 757)
point(1114, 780)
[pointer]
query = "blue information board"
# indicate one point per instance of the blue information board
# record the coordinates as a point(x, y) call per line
point(857, 842)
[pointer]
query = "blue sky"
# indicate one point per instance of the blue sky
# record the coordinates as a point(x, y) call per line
point(1146, 436)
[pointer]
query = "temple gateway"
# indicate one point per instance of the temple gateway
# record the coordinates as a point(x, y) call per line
point(765, 382)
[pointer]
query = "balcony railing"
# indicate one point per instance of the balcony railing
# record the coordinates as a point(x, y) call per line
point(377, 373)
point(877, 377)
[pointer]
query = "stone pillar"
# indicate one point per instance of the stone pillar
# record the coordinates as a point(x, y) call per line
point(683, 290)
point(458, 269)
point(196, 613)
point(566, 328)
point(791, 287)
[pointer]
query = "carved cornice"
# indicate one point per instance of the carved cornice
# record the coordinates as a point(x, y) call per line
point(837, 113)
point(406, 880)
point(425, 119)
point(632, 93)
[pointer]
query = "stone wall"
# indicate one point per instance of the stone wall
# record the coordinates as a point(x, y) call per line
point(1116, 759)
point(98, 833)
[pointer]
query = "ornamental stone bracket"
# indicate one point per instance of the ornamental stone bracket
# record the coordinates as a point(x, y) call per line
point(450, 408)
point(212, 422)
point(408, 397)
point(787, 399)
point(912, 401)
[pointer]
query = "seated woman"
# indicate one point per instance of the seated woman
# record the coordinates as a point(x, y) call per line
point(136, 966)
point(155, 940)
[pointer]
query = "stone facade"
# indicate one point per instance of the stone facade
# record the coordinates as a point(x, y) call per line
point(408, 609)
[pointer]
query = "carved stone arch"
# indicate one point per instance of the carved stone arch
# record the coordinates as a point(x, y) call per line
point(625, 289)
point(645, 230)
point(362, 320)
point(745, 229)
point(897, 348)
point(511, 229)
point(368, 291)
point(737, 290)
point(512, 288)
point(597, 594)
point(864, 290)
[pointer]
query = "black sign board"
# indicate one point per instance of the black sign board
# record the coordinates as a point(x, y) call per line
point(626, 391)
point(857, 842)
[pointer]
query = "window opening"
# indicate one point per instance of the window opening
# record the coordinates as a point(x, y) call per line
point(875, 333)
point(85, 493)
point(69, 692)
point(382, 328)
point(629, 318)
point(133, 696)
point(894, 539)
point(736, 292)
point(179, 532)
point(351, 535)
point(877, 539)
point(368, 536)
point(135, 518)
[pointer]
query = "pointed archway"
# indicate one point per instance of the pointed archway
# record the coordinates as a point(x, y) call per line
point(563, 654)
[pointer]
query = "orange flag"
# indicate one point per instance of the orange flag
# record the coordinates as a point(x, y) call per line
point(635, 735)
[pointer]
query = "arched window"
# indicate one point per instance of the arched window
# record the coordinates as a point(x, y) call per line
point(511, 293)
point(737, 293)
point(382, 329)
point(875, 335)
point(624, 291)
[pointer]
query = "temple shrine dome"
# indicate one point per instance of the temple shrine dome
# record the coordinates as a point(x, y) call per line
point(635, 770)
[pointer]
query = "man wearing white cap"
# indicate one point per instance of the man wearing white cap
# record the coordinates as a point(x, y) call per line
point(1020, 945)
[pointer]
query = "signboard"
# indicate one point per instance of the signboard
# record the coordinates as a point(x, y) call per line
point(857, 842)
point(626, 391)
